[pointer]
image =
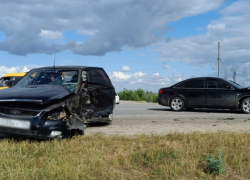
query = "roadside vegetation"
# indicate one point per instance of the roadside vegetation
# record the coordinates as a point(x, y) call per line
point(173, 156)
point(138, 95)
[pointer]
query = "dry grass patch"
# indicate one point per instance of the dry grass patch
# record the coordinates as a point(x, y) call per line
point(173, 156)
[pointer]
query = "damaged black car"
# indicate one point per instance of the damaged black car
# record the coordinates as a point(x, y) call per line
point(57, 101)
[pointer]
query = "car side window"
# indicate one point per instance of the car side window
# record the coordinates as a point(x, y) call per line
point(216, 84)
point(99, 76)
point(196, 83)
point(221, 84)
point(211, 84)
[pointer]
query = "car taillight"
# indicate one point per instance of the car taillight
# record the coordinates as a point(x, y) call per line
point(160, 91)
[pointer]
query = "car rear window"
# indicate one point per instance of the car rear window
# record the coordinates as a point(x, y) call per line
point(196, 83)
point(181, 85)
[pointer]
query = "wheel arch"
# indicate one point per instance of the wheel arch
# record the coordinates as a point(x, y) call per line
point(180, 96)
point(240, 101)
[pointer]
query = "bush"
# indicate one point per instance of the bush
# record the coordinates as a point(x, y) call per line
point(215, 166)
point(138, 95)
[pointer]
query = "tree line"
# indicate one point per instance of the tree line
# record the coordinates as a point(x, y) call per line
point(138, 95)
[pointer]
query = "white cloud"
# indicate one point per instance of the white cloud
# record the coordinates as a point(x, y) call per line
point(232, 30)
point(156, 75)
point(88, 32)
point(166, 66)
point(51, 34)
point(138, 80)
point(120, 76)
point(110, 25)
point(139, 74)
point(217, 29)
point(142, 81)
point(5, 70)
point(125, 69)
point(176, 77)
point(238, 7)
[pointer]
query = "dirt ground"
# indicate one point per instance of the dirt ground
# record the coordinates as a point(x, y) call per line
point(132, 118)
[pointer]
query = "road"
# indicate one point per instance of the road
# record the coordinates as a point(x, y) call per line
point(135, 118)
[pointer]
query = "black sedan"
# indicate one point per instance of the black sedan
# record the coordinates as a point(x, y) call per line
point(205, 92)
point(57, 102)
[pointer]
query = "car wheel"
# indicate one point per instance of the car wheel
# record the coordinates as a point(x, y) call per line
point(110, 116)
point(109, 122)
point(75, 132)
point(177, 104)
point(245, 105)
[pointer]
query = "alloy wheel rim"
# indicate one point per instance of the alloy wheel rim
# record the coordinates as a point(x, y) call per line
point(246, 106)
point(176, 104)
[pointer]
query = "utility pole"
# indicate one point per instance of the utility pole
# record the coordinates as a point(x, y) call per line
point(219, 59)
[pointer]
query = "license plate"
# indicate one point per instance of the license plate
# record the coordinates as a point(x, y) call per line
point(14, 123)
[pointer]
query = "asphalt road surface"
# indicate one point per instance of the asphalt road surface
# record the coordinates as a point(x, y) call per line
point(135, 118)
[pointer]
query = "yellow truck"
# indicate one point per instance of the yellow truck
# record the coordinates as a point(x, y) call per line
point(10, 79)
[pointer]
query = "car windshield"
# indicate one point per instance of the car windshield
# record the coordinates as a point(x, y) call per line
point(65, 78)
point(234, 84)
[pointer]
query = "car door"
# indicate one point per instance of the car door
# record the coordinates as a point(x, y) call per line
point(219, 94)
point(195, 93)
point(102, 92)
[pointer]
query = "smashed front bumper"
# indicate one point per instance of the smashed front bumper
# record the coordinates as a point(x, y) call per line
point(33, 126)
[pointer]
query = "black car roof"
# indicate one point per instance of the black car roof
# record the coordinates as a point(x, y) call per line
point(196, 78)
point(206, 77)
point(203, 78)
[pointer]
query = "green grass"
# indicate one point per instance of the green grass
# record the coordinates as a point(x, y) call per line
point(173, 156)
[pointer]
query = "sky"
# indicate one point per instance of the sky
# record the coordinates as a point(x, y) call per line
point(141, 44)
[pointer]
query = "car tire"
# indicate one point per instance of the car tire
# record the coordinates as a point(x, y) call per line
point(75, 132)
point(177, 104)
point(110, 119)
point(245, 105)
point(109, 122)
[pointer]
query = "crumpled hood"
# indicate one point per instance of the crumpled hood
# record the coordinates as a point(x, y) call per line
point(40, 94)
